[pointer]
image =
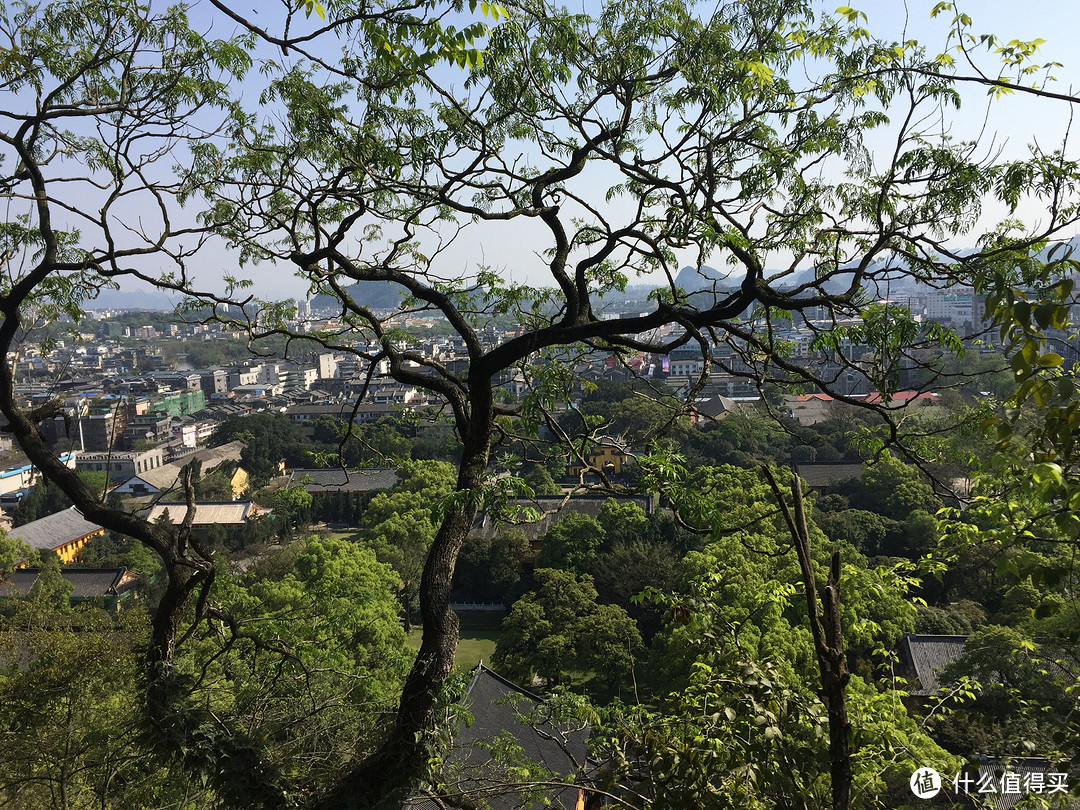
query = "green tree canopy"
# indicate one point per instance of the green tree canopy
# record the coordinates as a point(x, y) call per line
point(269, 438)
point(319, 654)
point(560, 628)
point(490, 568)
point(571, 543)
point(401, 523)
point(895, 490)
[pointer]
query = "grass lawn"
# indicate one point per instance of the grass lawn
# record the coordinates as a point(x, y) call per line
point(473, 646)
point(340, 534)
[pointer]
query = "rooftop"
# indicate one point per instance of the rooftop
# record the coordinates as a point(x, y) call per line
point(923, 657)
point(55, 530)
point(208, 513)
point(338, 480)
point(87, 583)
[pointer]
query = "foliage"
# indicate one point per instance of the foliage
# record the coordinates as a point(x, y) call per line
point(895, 490)
point(491, 568)
point(621, 572)
point(622, 522)
point(571, 543)
point(560, 628)
point(46, 498)
point(50, 590)
point(741, 436)
point(268, 438)
point(741, 134)
point(541, 482)
point(292, 508)
point(400, 524)
point(954, 619)
point(385, 442)
point(862, 529)
point(743, 582)
point(70, 718)
point(309, 658)
point(1025, 697)
point(12, 552)
point(1020, 523)
point(744, 732)
point(217, 484)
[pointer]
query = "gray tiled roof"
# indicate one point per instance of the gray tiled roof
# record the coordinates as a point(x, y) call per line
point(993, 768)
point(499, 707)
point(87, 582)
point(823, 474)
point(55, 530)
point(556, 507)
point(207, 513)
point(715, 406)
point(167, 476)
point(923, 657)
point(338, 480)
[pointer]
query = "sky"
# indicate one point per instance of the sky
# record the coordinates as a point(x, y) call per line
point(1016, 122)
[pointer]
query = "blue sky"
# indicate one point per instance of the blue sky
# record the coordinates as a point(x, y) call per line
point(1015, 122)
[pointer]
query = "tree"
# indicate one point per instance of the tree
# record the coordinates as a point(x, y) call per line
point(99, 101)
point(560, 627)
point(490, 568)
point(1020, 525)
point(751, 670)
point(623, 571)
point(318, 655)
point(895, 490)
point(571, 543)
point(215, 485)
point(292, 507)
point(50, 589)
point(646, 131)
point(46, 498)
point(622, 523)
point(12, 552)
point(1012, 672)
point(401, 523)
point(69, 716)
point(865, 530)
point(268, 438)
point(541, 482)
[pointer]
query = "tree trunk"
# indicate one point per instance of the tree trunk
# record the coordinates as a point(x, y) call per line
point(834, 677)
point(828, 637)
point(404, 756)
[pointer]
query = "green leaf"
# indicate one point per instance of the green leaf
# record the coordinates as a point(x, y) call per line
point(1047, 471)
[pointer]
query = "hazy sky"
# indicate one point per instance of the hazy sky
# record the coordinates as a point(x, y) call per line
point(1016, 122)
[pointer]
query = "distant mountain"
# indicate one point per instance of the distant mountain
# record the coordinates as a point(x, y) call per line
point(1070, 250)
point(133, 299)
point(704, 277)
point(373, 294)
point(835, 285)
